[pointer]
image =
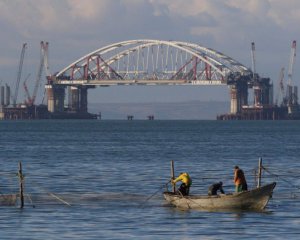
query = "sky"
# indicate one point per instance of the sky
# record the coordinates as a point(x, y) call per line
point(74, 28)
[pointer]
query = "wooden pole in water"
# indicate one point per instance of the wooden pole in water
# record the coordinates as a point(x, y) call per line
point(173, 176)
point(21, 186)
point(259, 172)
point(255, 176)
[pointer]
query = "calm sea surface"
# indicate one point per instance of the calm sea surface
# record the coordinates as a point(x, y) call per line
point(98, 179)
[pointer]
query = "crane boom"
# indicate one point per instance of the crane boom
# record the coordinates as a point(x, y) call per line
point(46, 63)
point(281, 77)
point(280, 92)
point(39, 74)
point(253, 59)
point(292, 62)
point(15, 96)
point(28, 100)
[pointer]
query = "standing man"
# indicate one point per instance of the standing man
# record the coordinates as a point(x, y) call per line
point(184, 188)
point(239, 180)
point(214, 188)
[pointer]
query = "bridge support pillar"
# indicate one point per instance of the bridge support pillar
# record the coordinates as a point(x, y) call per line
point(83, 99)
point(74, 105)
point(79, 99)
point(56, 97)
point(257, 95)
point(234, 104)
point(239, 97)
point(263, 92)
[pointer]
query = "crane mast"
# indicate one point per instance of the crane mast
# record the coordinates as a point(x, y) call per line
point(28, 98)
point(257, 88)
point(46, 62)
point(281, 87)
point(292, 62)
point(289, 90)
point(253, 59)
point(39, 74)
point(15, 96)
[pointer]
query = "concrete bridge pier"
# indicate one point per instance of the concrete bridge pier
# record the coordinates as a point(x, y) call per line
point(74, 98)
point(257, 95)
point(239, 97)
point(263, 92)
point(56, 97)
point(78, 99)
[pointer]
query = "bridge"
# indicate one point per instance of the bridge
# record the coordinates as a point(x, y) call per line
point(152, 62)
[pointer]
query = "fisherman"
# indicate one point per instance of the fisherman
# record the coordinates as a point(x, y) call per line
point(239, 180)
point(186, 180)
point(212, 190)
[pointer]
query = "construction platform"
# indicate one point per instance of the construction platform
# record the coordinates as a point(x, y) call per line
point(263, 113)
point(24, 112)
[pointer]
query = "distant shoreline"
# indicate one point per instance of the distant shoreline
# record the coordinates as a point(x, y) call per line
point(189, 110)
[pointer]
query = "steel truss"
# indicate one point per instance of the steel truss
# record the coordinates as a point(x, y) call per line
point(151, 62)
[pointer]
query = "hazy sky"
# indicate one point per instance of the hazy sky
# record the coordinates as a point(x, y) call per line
point(74, 28)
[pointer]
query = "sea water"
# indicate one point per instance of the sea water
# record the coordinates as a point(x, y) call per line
point(104, 179)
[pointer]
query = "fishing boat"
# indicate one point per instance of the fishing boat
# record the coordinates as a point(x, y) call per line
point(8, 199)
point(255, 200)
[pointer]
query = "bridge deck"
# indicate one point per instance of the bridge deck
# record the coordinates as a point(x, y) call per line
point(138, 82)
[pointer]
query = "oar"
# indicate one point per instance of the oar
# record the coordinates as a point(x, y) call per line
point(154, 194)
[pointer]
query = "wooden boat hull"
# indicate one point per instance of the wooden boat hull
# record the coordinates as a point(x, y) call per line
point(8, 199)
point(255, 199)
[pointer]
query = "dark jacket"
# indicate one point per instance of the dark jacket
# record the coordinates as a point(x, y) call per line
point(212, 190)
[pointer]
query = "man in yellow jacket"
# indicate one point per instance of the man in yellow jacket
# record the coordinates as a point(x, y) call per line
point(186, 180)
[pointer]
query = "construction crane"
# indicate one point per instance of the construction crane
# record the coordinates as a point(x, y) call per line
point(280, 93)
point(292, 62)
point(46, 63)
point(15, 96)
point(39, 74)
point(256, 85)
point(27, 97)
point(289, 89)
point(46, 66)
point(253, 59)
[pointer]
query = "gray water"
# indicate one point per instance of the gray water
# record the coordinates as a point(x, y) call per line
point(103, 179)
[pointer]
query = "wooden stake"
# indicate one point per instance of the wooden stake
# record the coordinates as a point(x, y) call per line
point(173, 176)
point(21, 186)
point(259, 172)
point(255, 176)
